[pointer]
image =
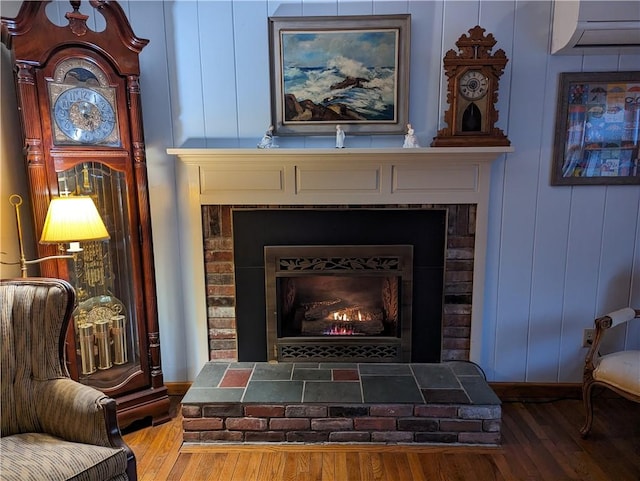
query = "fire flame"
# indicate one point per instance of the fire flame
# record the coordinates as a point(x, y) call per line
point(340, 330)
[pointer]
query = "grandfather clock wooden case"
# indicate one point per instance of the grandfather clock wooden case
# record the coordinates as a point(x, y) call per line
point(79, 99)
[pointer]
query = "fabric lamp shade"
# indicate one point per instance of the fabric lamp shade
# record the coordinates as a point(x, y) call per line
point(73, 219)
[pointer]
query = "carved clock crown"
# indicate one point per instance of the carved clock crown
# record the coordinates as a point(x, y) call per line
point(476, 46)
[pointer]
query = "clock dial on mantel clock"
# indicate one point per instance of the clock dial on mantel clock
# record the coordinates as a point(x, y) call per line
point(473, 75)
point(79, 97)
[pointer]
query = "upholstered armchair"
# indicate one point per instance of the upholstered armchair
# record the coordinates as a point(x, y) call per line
point(618, 371)
point(53, 428)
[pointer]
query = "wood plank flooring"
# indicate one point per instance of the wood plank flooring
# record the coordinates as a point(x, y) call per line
point(540, 442)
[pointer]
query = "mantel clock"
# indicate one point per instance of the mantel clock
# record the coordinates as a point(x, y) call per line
point(79, 99)
point(472, 92)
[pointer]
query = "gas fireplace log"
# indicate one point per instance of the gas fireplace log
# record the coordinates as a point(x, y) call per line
point(320, 310)
point(327, 327)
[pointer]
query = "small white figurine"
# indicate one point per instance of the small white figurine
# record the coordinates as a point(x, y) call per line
point(267, 140)
point(339, 137)
point(410, 140)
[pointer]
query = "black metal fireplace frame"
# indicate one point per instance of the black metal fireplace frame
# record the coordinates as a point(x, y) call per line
point(383, 260)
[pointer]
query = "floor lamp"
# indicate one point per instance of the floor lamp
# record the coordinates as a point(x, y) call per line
point(71, 219)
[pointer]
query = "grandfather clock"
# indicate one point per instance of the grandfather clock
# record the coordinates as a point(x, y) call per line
point(79, 100)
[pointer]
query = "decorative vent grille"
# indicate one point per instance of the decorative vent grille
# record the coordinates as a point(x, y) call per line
point(375, 263)
point(351, 352)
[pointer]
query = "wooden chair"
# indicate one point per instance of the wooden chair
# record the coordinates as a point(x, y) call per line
point(618, 371)
point(52, 426)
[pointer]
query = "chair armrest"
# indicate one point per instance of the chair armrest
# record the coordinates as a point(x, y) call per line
point(602, 324)
point(76, 412)
point(622, 315)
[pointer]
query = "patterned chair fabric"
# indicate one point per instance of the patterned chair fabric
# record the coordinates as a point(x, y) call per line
point(52, 427)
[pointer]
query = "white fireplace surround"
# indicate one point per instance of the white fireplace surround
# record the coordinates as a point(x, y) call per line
point(321, 176)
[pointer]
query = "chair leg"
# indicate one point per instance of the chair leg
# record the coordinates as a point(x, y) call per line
point(587, 388)
point(132, 470)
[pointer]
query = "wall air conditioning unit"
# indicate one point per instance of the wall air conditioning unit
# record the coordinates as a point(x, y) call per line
point(596, 27)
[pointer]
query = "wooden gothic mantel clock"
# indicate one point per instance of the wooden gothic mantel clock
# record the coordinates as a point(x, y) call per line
point(472, 92)
point(79, 99)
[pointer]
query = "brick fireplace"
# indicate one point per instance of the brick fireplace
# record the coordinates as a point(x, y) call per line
point(453, 315)
point(213, 179)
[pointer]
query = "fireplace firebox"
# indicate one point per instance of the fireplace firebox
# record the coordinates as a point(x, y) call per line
point(339, 303)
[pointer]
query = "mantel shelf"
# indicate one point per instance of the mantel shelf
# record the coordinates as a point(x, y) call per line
point(278, 176)
point(195, 152)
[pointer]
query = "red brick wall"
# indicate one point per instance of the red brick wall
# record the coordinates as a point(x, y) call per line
point(218, 257)
point(308, 423)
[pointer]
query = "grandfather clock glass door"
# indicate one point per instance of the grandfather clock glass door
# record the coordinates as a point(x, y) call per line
point(105, 321)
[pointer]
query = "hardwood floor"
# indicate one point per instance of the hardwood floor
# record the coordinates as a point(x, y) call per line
point(540, 442)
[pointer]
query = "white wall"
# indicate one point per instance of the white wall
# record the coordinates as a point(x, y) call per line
point(558, 256)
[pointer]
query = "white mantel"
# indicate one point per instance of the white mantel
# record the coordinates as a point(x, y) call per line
point(295, 176)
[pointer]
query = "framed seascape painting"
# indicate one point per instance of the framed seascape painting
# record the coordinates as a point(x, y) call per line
point(351, 71)
point(597, 129)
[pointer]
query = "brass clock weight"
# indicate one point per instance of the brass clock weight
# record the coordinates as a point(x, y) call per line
point(473, 75)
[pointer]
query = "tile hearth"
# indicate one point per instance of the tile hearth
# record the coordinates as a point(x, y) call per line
point(341, 402)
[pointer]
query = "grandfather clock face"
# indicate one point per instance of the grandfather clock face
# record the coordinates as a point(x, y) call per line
point(82, 105)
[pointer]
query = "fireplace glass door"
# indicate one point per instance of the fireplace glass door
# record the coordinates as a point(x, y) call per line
point(337, 305)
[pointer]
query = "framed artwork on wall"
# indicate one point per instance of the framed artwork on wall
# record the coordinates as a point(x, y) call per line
point(351, 71)
point(597, 129)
